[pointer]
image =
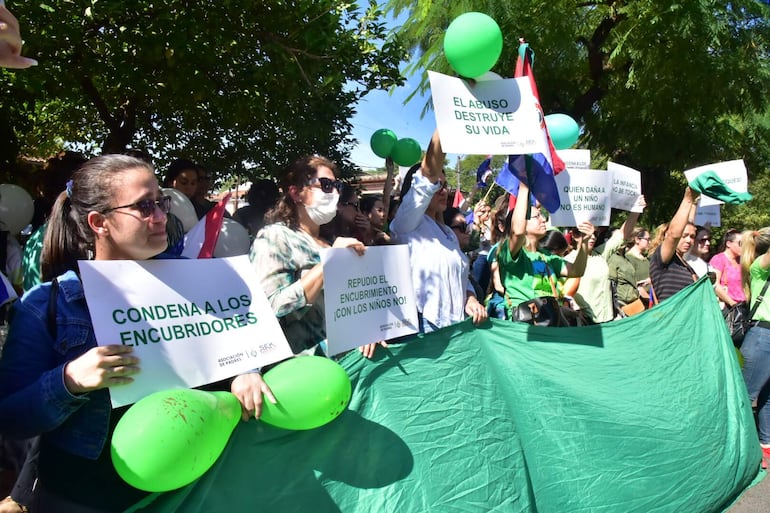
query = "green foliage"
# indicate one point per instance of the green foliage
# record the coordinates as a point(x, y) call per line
point(658, 86)
point(242, 87)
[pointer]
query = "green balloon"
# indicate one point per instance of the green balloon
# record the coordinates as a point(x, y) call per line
point(406, 152)
point(382, 142)
point(564, 130)
point(472, 44)
point(311, 391)
point(170, 438)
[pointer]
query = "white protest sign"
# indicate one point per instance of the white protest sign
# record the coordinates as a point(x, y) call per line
point(584, 195)
point(732, 173)
point(496, 117)
point(190, 322)
point(368, 298)
point(575, 159)
point(626, 187)
point(708, 214)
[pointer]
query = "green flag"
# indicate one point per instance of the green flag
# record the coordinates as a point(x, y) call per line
point(649, 413)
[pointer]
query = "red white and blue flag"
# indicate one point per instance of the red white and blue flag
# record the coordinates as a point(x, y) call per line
point(537, 170)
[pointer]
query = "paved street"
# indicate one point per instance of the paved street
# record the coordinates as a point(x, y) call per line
point(755, 500)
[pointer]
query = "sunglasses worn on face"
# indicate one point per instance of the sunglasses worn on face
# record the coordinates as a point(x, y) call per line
point(146, 207)
point(462, 227)
point(327, 184)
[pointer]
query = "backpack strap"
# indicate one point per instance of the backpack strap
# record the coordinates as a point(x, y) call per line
point(51, 312)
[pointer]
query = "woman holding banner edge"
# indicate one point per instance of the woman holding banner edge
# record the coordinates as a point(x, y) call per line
point(54, 379)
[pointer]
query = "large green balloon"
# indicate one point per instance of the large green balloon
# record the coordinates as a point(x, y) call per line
point(564, 130)
point(311, 391)
point(382, 142)
point(170, 438)
point(472, 44)
point(406, 152)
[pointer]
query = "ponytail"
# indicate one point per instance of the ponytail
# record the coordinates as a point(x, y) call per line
point(64, 243)
point(68, 237)
point(753, 244)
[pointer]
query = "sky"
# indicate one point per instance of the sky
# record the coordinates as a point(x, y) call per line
point(381, 109)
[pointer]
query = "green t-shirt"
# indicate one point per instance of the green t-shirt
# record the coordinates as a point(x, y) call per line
point(528, 275)
point(758, 278)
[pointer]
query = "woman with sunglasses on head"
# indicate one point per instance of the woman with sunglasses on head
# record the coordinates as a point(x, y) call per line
point(438, 266)
point(727, 266)
point(286, 255)
point(54, 379)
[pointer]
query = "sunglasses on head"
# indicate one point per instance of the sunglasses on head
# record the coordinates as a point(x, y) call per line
point(146, 207)
point(327, 184)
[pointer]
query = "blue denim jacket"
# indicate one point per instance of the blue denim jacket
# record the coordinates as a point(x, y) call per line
point(33, 398)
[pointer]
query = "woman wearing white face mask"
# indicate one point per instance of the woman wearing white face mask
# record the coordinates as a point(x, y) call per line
point(286, 256)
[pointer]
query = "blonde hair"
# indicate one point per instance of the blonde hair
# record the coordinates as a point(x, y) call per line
point(754, 243)
point(658, 238)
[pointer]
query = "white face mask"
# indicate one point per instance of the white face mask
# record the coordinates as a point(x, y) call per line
point(324, 206)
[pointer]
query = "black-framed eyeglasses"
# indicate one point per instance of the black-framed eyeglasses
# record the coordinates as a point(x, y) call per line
point(462, 227)
point(349, 204)
point(146, 207)
point(327, 184)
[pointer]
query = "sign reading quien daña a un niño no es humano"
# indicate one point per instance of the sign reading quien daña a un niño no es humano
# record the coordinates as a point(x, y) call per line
point(190, 322)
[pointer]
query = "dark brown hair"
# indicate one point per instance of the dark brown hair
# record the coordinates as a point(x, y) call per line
point(92, 188)
point(298, 174)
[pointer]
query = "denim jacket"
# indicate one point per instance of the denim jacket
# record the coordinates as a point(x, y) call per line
point(33, 398)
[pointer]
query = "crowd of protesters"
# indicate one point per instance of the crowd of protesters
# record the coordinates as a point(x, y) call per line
point(488, 261)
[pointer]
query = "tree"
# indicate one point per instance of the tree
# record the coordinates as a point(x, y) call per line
point(659, 86)
point(242, 87)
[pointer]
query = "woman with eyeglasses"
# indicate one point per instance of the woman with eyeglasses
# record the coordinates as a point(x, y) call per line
point(54, 379)
point(286, 255)
point(727, 266)
point(438, 266)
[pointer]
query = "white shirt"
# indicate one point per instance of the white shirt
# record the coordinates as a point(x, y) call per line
point(438, 266)
point(698, 265)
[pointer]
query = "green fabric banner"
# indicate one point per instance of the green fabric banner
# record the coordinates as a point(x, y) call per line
point(645, 414)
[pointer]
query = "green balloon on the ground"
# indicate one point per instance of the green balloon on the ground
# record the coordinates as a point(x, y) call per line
point(311, 391)
point(564, 130)
point(406, 152)
point(382, 142)
point(170, 438)
point(472, 44)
